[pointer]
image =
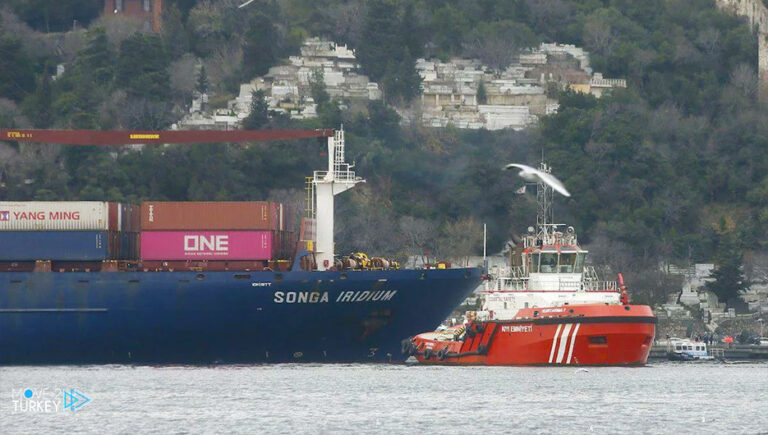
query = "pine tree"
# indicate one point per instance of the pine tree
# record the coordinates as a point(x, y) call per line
point(16, 77)
point(411, 32)
point(202, 81)
point(482, 94)
point(409, 78)
point(142, 67)
point(39, 107)
point(259, 116)
point(96, 59)
point(260, 47)
point(380, 39)
point(729, 281)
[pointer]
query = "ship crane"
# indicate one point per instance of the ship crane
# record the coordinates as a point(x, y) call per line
point(338, 178)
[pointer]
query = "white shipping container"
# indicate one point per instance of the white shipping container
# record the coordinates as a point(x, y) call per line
point(56, 216)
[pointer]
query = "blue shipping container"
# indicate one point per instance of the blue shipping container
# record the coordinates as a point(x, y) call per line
point(56, 245)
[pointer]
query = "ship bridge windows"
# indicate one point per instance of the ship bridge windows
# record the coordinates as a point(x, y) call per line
point(554, 262)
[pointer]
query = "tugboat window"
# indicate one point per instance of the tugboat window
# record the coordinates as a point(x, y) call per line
point(579, 266)
point(548, 263)
point(535, 263)
point(567, 263)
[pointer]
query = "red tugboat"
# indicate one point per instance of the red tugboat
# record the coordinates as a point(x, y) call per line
point(547, 308)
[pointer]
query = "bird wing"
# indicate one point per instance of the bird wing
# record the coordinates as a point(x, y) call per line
point(553, 182)
point(519, 166)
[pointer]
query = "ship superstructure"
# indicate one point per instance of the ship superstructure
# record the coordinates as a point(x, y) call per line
point(547, 308)
point(547, 268)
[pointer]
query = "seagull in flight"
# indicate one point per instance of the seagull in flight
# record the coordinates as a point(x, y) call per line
point(245, 4)
point(534, 175)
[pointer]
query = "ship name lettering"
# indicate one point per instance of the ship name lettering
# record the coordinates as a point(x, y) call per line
point(553, 310)
point(300, 297)
point(365, 296)
point(516, 328)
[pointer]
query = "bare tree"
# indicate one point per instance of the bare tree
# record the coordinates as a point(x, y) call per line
point(461, 239)
point(417, 235)
point(349, 18)
point(599, 35)
point(119, 27)
point(224, 62)
point(744, 79)
point(183, 74)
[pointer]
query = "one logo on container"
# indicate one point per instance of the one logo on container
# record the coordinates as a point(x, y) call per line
point(215, 243)
point(5, 215)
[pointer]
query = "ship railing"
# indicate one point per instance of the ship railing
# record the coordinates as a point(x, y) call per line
point(553, 238)
point(340, 176)
point(599, 286)
point(506, 284)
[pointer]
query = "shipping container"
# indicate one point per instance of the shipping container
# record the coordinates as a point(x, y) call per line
point(206, 245)
point(54, 216)
point(68, 216)
point(233, 216)
point(130, 218)
point(66, 245)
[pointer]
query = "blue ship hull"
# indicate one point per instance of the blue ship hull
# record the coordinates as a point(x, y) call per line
point(224, 317)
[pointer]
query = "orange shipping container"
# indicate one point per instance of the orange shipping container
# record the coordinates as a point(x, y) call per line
point(252, 215)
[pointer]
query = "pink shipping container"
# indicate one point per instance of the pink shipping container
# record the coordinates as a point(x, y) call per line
point(206, 245)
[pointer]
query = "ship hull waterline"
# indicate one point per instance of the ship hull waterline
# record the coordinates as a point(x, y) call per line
point(221, 317)
point(599, 335)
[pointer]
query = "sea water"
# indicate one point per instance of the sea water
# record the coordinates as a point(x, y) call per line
point(303, 398)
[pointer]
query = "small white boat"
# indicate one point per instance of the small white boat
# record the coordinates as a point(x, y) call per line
point(684, 349)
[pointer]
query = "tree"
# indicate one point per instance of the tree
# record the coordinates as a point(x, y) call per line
point(202, 81)
point(58, 16)
point(482, 94)
point(175, 35)
point(498, 44)
point(729, 281)
point(142, 67)
point(97, 59)
point(411, 32)
point(380, 39)
point(16, 78)
point(260, 47)
point(317, 88)
point(409, 78)
point(259, 115)
point(38, 105)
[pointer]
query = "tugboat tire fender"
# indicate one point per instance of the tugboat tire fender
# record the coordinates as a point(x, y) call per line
point(442, 353)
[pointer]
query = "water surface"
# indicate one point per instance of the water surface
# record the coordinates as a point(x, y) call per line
point(659, 398)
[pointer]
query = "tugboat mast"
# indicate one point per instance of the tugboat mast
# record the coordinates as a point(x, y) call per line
point(545, 225)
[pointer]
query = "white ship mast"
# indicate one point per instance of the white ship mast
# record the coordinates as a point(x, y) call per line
point(337, 179)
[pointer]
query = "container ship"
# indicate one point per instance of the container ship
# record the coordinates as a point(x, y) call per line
point(226, 282)
point(547, 308)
